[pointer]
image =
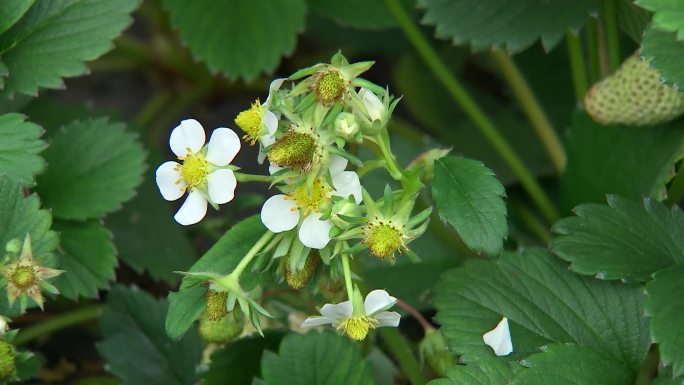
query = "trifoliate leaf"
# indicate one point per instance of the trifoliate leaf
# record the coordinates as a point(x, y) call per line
point(20, 145)
point(93, 167)
point(668, 15)
point(240, 38)
point(135, 346)
point(666, 54)
point(54, 38)
point(544, 303)
point(359, 14)
point(187, 304)
point(21, 215)
point(12, 11)
point(316, 358)
point(239, 362)
point(623, 240)
point(513, 24)
point(628, 161)
point(665, 306)
point(562, 364)
point(88, 257)
point(482, 372)
point(469, 197)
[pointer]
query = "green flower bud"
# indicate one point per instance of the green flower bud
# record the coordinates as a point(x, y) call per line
point(346, 125)
point(223, 330)
point(8, 365)
point(13, 246)
point(434, 350)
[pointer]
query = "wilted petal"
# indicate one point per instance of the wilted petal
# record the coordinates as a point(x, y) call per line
point(347, 183)
point(279, 213)
point(193, 209)
point(499, 338)
point(377, 301)
point(221, 186)
point(388, 318)
point(224, 144)
point(314, 233)
point(169, 181)
point(187, 138)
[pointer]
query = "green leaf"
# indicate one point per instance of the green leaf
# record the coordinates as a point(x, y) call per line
point(240, 38)
point(513, 24)
point(187, 304)
point(469, 197)
point(88, 257)
point(483, 372)
point(54, 38)
point(12, 11)
point(622, 240)
point(147, 237)
point(239, 362)
point(359, 14)
point(563, 364)
point(21, 215)
point(632, 19)
point(628, 161)
point(135, 346)
point(316, 358)
point(666, 54)
point(669, 15)
point(665, 306)
point(93, 167)
point(544, 303)
point(20, 145)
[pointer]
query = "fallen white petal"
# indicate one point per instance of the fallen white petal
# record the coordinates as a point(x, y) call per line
point(167, 175)
point(314, 233)
point(347, 183)
point(189, 134)
point(193, 209)
point(388, 318)
point(224, 145)
point(499, 338)
point(221, 186)
point(377, 301)
point(279, 213)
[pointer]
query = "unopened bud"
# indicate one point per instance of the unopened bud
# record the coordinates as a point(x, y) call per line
point(434, 350)
point(223, 330)
point(346, 125)
point(13, 246)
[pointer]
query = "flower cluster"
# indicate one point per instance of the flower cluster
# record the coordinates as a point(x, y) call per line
point(320, 217)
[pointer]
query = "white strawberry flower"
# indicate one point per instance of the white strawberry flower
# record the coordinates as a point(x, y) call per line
point(203, 172)
point(499, 338)
point(282, 212)
point(357, 322)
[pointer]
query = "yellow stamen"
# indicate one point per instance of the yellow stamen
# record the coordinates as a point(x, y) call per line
point(311, 200)
point(357, 327)
point(194, 170)
point(250, 121)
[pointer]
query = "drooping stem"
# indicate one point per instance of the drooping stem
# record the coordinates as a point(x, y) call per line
point(472, 109)
point(612, 34)
point(532, 108)
point(58, 322)
point(416, 314)
point(579, 72)
point(347, 276)
point(392, 166)
point(400, 348)
point(235, 274)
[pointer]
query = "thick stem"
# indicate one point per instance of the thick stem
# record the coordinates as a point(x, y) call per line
point(392, 165)
point(532, 108)
point(235, 274)
point(474, 112)
point(58, 322)
point(347, 276)
point(400, 348)
point(579, 72)
point(612, 34)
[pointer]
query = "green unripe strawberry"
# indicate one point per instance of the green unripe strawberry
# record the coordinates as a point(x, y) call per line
point(223, 330)
point(633, 95)
point(433, 349)
point(8, 365)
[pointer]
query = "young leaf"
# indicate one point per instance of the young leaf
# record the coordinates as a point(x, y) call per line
point(241, 38)
point(513, 24)
point(88, 257)
point(665, 306)
point(239, 362)
point(482, 372)
point(469, 197)
point(316, 358)
point(93, 167)
point(622, 240)
point(544, 303)
point(54, 38)
point(562, 364)
point(20, 145)
point(666, 53)
point(135, 346)
point(669, 15)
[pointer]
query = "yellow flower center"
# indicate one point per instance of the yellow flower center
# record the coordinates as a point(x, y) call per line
point(357, 327)
point(216, 305)
point(329, 87)
point(313, 199)
point(194, 170)
point(384, 239)
point(293, 150)
point(249, 121)
point(23, 277)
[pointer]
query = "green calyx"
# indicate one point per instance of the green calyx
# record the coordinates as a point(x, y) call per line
point(294, 150)
point(634, 95)
point(223, 330)
point(8, 364)
point(216, 305)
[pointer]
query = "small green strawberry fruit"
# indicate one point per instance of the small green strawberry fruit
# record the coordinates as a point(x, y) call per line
point(223, 330)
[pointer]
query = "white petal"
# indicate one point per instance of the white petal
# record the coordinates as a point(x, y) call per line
point(317, 321)
point(314, 233)
point(339, 311)
point(374, 105)
point(270, 120)
point(274, 168)
point(167, 175)
point(377, 301)
point(224, 144)
point(347, 183)
point(221, 184)
point(193, 210)
point(337, 164)
point(264, 141)
point(499, 338)
point(189, 134)
point(279, 213)
point(275, 86)
point(388, 318)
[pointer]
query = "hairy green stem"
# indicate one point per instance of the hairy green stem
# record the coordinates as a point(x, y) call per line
point(612, 34)
point(240, 177)
point(251, 254)
point(400, 348)
point(579, 72)
point(532, 108)
point(392, 165)
point(62, 321)
point(347, 276)
point(472, 109)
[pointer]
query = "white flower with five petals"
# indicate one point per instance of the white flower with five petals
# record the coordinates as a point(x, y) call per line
point(283, 212)
point(203, 173)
